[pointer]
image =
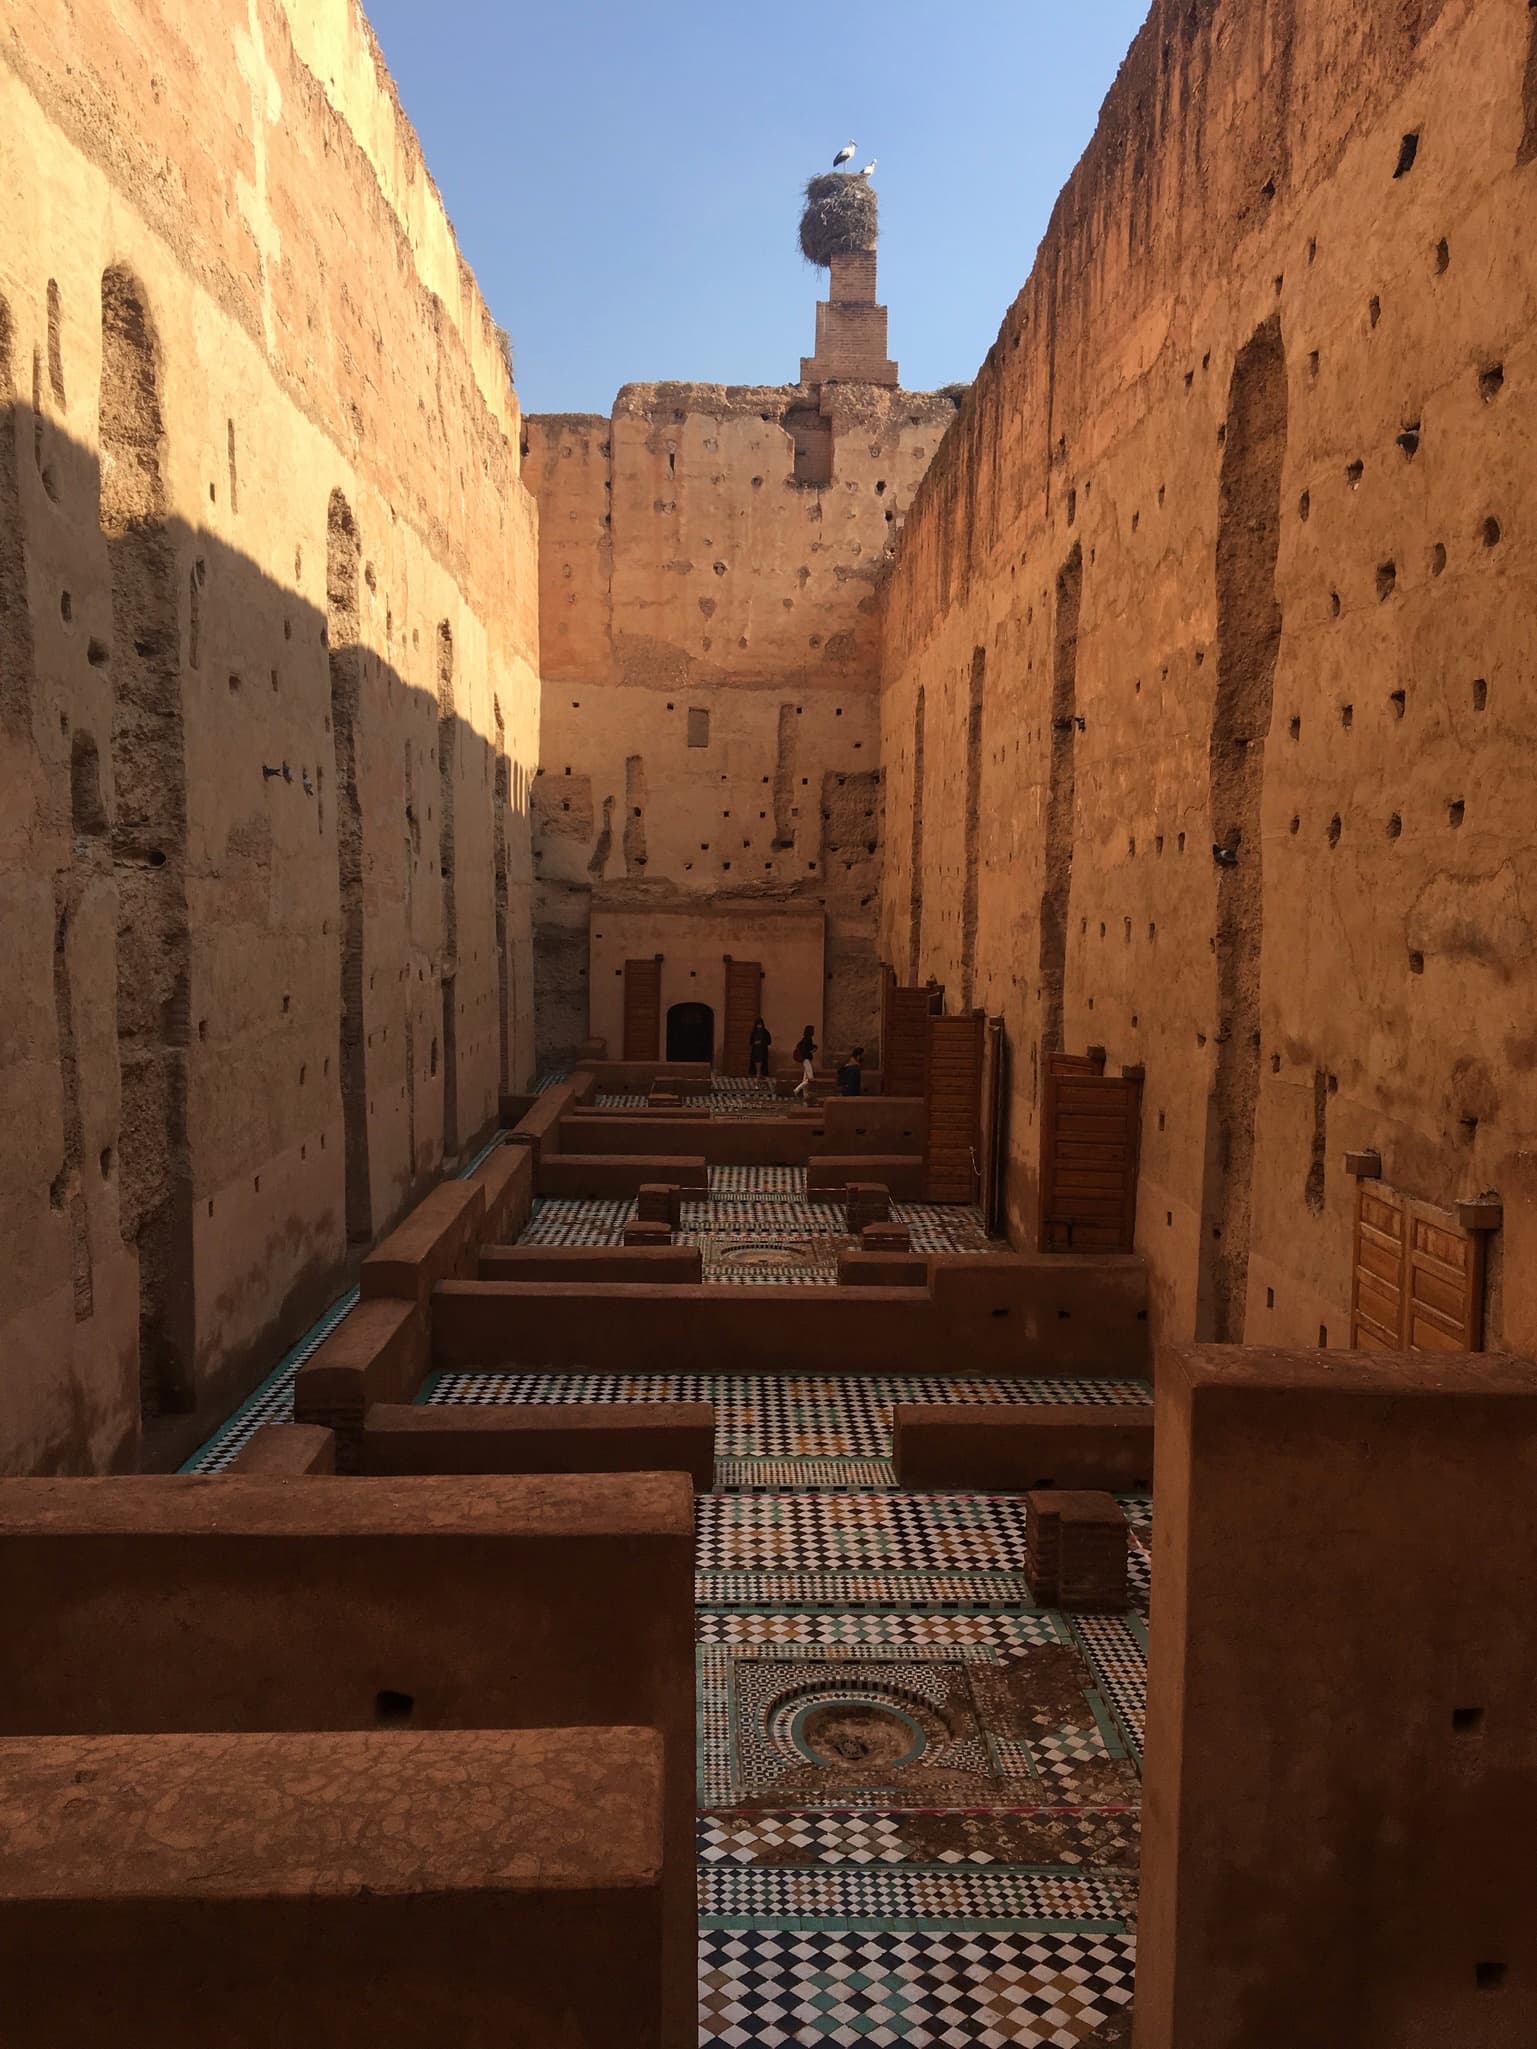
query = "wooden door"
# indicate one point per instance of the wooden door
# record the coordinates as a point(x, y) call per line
point(1091, 1132)
point(904, 1038)
point(995, 1108)
point(953, 1093)
point(1377, 1282)
point(642, 1008)
point(1418, 1281)
point(744, 1006)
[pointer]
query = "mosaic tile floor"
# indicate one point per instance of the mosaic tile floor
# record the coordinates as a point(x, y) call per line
point(919, 1793)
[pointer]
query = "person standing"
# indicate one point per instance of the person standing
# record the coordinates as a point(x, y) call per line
point(850, 1074)
point(806, 1053)
point(758, 1049)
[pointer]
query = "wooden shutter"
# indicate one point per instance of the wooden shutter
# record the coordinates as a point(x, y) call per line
point(642, 1008)
point(995, 1107)
point(1091, 1132)
point(904, 1038)
point(1418, 1283)
point(744, 1005)
point(953, 1090)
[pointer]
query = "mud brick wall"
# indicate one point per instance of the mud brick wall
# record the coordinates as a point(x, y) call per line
point(709, 639)
point(1231, 547)
point(268, 703)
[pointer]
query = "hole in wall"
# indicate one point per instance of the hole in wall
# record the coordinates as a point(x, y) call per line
point(1480, 693)
point(1395, 826)
point(1443, 257)
point(1466, 1720)
point(1491, 382)
point(1489, 1977)
point(1454, 813)
point(1416, 962)
point(1387, 581)
point(1374, 309)
point(1408, 150)
point(1489, 532)
point(392, 1708)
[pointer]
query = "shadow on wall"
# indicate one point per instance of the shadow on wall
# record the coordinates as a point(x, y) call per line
point(269, 903)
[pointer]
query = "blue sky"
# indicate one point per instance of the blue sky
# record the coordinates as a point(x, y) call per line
point(626, 179)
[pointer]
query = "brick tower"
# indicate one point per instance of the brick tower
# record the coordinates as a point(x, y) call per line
point(851, 328)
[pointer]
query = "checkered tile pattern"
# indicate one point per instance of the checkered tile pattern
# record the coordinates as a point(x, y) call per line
point(817, 1626)
point(773, 1475)
point(963, 1989)
point(914, 1896)
point(1116, 1648)
point(862, 1590)
point(923, 1531)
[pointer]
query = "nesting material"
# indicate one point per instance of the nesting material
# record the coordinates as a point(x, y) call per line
point(840, 217)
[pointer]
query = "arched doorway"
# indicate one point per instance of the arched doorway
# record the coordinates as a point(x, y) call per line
point(691, 1032)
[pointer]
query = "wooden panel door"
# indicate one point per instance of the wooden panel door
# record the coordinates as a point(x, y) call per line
point(1418, 1283)
point(1377, 1281)
point(1444, 1283)
point(744, 1006)
point(953, 1091)
point(904, 1038)
point(1091, 1135)
point(995, 1113)
point(642, 1008)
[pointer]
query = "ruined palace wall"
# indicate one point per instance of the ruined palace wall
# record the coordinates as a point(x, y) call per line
point(1238, 523)
point(709, 640)
point(267, 624)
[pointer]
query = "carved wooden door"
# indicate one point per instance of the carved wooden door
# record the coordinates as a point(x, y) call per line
point(642, 1008)
point(744, 1006)
point(1091, 1129)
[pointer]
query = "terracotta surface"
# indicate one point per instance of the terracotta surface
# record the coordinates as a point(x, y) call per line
point(858, 1268)
point(266, 486)
point(527, 1437)
point(290, 1450)
point(901, 1174)
point(383, 1889)
point(1388, 1740)
point(237, 1604)
point(1012, 1448)
point(991, 1314)
point(676, 1263)
point(439, 1239)
point(1242, 488)
point(721, 1142)
point(617, 1174)
point(378, 1353)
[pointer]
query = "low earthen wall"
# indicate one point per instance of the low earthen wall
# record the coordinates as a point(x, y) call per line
point(379, 1907)
point(182, 1603)
point(558, 1437)
point(1050, 1315)
point(616, 1175)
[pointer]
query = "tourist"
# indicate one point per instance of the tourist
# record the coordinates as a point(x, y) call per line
point(757, 1049)
point(805, 1053)
point(850, 1074)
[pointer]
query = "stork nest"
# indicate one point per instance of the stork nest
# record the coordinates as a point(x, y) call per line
point(840, 217)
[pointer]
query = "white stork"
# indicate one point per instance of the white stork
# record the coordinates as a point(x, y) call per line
point(868, 168)
point(843, 155)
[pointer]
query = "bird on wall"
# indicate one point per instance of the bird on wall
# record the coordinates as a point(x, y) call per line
point(843, 155)
point(867, 168)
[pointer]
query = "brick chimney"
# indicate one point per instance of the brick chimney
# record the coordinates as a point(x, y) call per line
point(851, 328)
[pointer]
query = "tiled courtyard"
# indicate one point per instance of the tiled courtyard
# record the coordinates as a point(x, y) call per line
point(918, 1793)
